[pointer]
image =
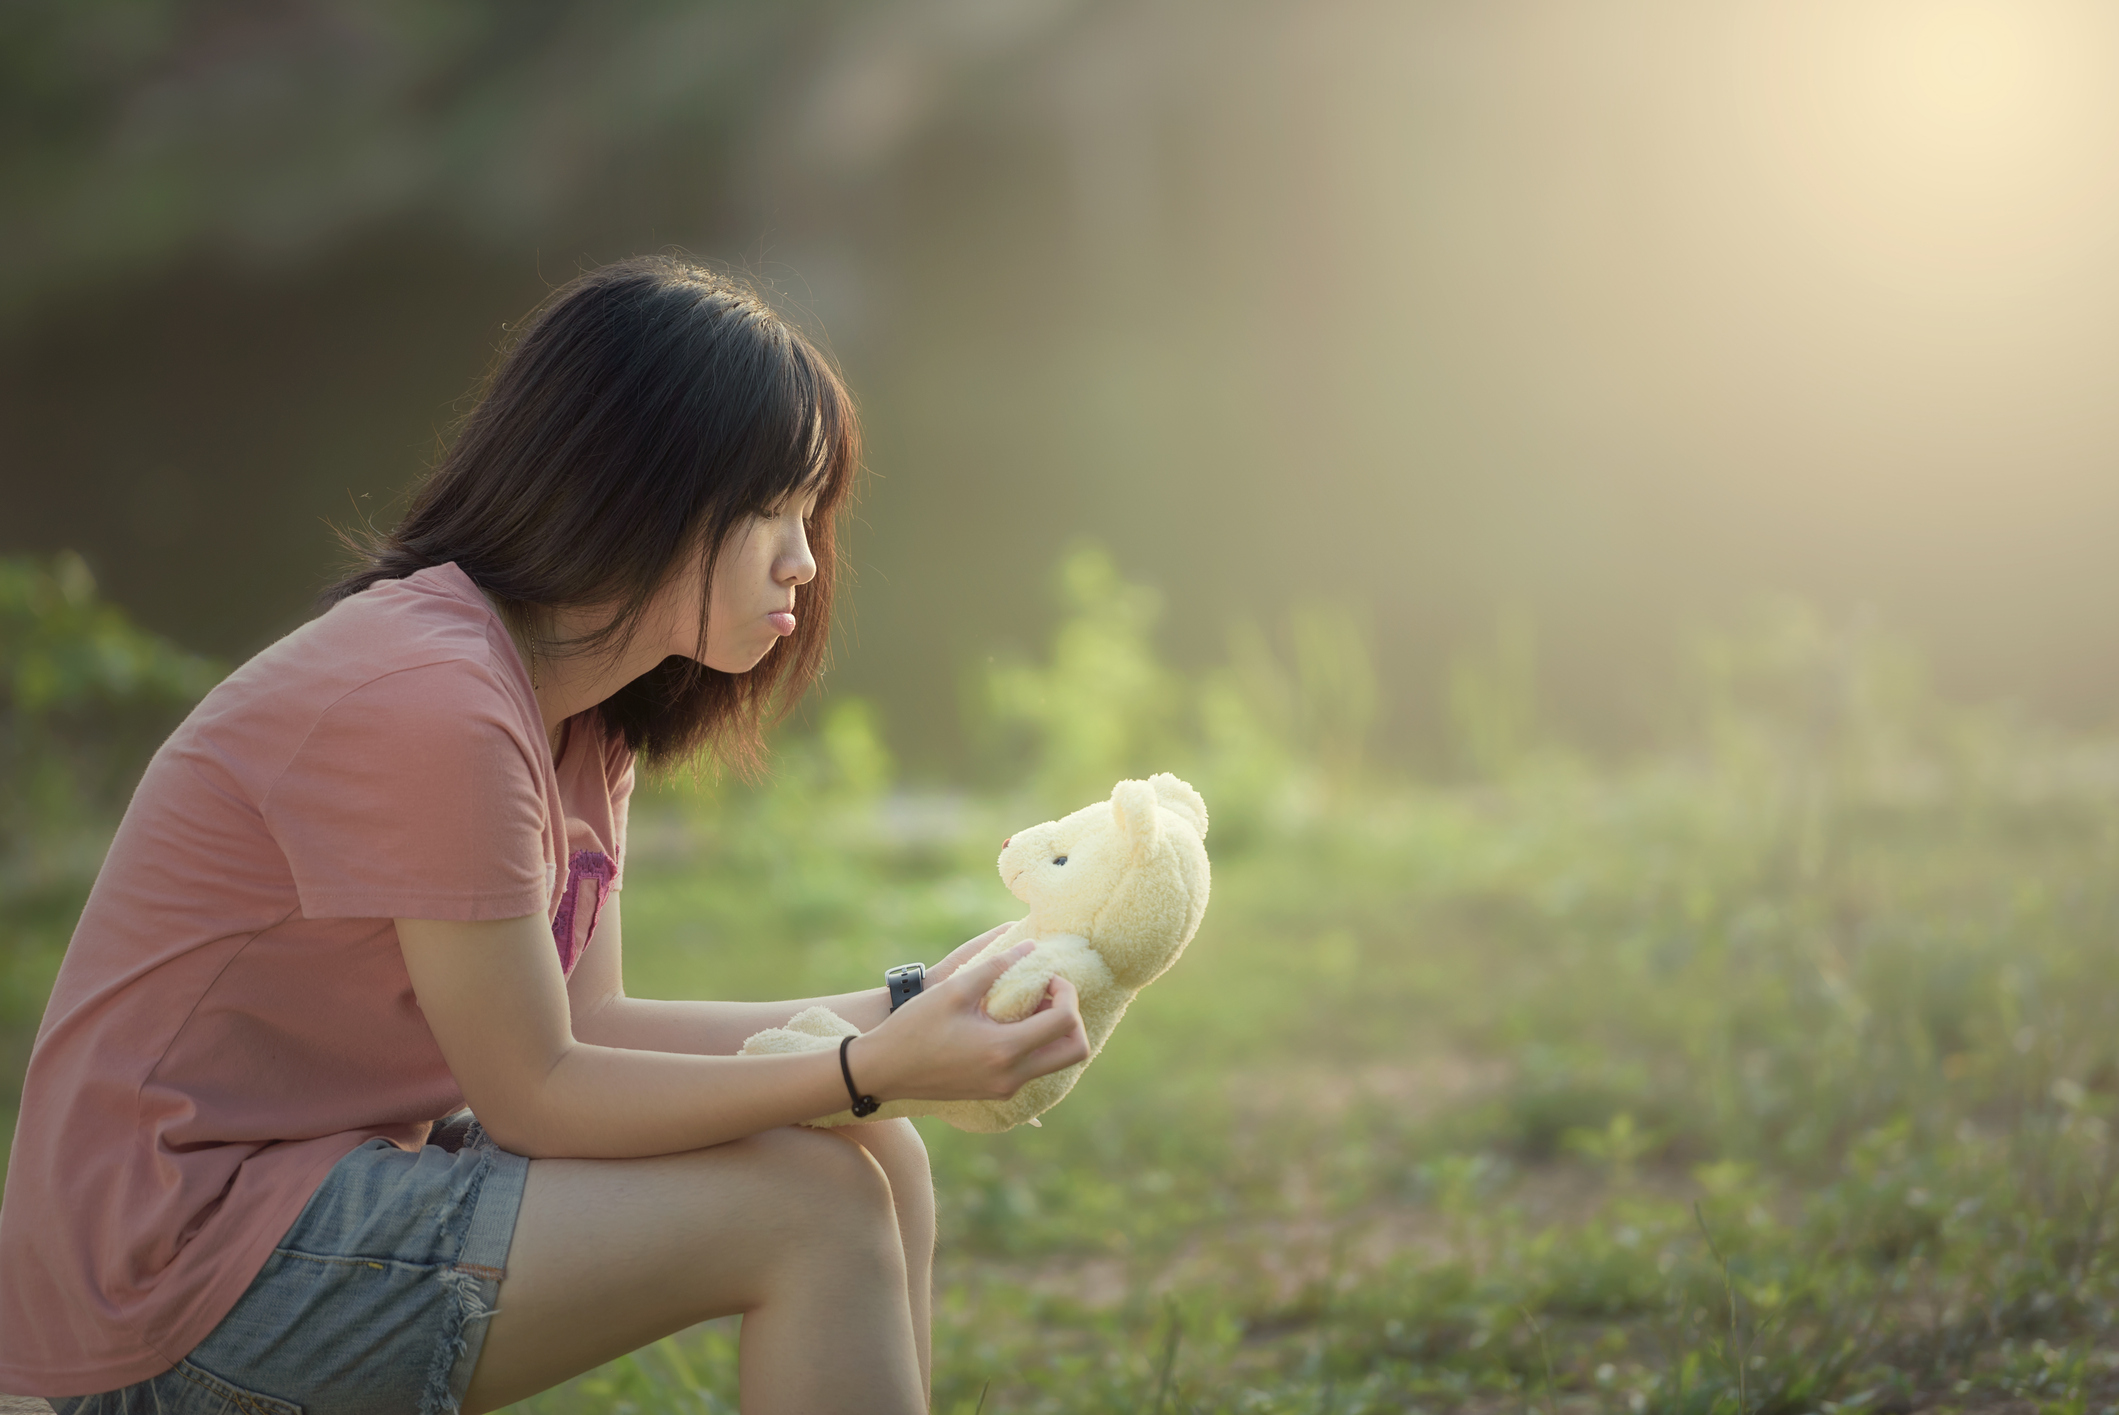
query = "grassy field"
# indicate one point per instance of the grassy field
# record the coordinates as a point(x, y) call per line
point(1772, 1072)
point(1772, 1077)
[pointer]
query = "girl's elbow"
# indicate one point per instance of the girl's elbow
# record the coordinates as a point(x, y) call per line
point(530, 1115)
point(515, 1135)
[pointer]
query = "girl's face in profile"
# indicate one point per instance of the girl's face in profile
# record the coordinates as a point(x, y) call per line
point(753, 600)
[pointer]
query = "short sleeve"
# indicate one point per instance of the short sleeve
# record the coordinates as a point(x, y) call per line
point(415, 796)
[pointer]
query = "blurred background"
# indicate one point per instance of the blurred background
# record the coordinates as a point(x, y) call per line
point(1588, 324)
point(1612, 503)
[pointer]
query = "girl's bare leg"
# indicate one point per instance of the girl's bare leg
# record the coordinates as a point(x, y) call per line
point(897, 1147)
point(795, 1229)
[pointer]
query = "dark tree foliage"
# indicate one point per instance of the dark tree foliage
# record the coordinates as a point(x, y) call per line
point(132, 134)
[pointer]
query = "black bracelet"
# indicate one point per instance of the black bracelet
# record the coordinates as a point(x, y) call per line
point(863, 1106)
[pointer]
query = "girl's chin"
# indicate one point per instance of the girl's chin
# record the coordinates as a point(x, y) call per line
point(724, 662)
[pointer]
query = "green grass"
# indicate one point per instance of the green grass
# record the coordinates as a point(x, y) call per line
point(1752, 1081)
point(1771, 1073)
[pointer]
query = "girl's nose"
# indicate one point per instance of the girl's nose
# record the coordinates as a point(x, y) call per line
point(798, 567)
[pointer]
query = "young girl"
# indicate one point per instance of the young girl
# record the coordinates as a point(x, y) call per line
point(374, 878)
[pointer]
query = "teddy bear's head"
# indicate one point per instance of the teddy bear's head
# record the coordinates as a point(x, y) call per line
point(1128, 874)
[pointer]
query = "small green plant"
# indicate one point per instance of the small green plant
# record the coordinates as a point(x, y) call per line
point(1104, 707)
point(85, 695)
point(1618, 1148)
point(1492, 701)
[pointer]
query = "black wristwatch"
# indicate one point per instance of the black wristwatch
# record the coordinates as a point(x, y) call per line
point(905, 982)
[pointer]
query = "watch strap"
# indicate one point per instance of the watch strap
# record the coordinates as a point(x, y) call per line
point(905, 983)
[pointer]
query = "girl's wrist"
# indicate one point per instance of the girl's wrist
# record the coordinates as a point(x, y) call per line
point(874, 1008)
point(868, 1071)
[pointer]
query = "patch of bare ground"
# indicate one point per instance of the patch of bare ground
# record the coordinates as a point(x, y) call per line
point(1278, 1258)
point(1417, 1089)
point(2097, 1394)
point(1604, 1402)
point(1307, 1240)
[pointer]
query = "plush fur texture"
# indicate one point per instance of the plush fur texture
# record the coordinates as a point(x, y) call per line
point(1115, 890)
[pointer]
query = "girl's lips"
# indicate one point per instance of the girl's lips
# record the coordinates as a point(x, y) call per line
point(783, 623)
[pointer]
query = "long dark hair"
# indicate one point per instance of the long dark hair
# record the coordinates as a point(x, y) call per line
point(639, 415)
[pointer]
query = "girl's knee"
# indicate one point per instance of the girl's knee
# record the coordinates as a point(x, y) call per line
point(898, 1148)
point(822, 1182)
point(902, 1155)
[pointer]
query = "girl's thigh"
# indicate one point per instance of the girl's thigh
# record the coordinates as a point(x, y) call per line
point(796, 1229)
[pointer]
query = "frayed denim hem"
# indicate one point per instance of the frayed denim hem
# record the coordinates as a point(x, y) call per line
point(474, 1278)
point(455, 1357)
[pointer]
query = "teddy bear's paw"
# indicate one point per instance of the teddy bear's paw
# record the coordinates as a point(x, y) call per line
point(822, 1022)
point(773, 1041)
point(778, 1041)
point(811, 1029)
point(1017, 993)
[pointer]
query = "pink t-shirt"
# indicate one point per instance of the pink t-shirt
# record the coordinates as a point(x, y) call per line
point(233, 1014)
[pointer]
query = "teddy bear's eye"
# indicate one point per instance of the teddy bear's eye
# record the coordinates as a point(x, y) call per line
point(1059, 859)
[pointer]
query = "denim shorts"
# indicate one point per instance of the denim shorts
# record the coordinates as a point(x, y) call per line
point(376, 1300)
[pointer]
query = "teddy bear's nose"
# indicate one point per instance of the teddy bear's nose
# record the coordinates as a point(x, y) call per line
point(1004, 843)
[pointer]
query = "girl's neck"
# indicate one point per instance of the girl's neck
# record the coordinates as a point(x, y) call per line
point(571, 682)
point(524, 631)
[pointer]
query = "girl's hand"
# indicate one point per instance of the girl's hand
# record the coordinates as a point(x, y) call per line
point(941, 1045)
point(963, 953)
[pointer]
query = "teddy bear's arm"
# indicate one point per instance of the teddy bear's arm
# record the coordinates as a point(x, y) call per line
point(811, 1029)
point(1020, 989)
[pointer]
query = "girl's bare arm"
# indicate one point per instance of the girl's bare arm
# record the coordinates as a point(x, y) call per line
point(603, 1014)
point(497, 1003)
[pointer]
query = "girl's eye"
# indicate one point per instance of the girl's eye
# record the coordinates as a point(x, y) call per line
point(1059, 859)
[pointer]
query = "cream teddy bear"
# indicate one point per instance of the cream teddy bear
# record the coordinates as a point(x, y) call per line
point(1115, 890)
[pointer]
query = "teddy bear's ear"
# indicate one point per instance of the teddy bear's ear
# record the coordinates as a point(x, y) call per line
point(1133, 802)
point(1179, 796)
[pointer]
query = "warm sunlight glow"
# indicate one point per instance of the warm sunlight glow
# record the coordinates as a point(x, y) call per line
point(1943, 146)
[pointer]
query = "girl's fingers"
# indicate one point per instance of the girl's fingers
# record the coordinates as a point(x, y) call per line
point(1053, 987)
point(964, 952)
point(1041, 1028)
point(1062, 1022)
point(1061, 1052)
point(979, 978)
point(1058, 1012)
point(1052, 1038)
